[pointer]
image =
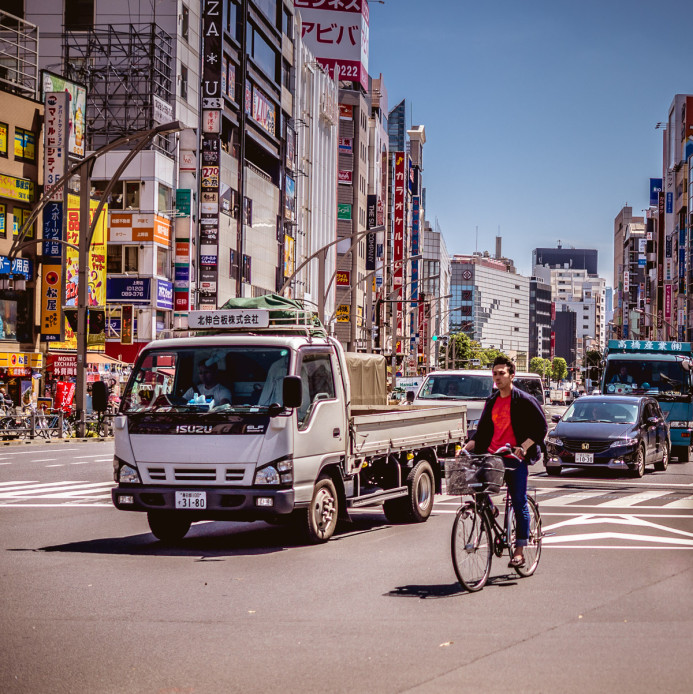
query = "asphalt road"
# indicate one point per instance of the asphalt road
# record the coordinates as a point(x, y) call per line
point(91, 602)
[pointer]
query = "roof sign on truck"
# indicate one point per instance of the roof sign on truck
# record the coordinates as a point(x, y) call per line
point(646, 345)
point(229, 318)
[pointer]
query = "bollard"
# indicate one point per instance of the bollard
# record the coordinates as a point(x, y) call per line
point(61, 431)
point(32, 433)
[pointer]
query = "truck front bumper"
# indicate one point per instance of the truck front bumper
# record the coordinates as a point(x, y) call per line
point(240, 503)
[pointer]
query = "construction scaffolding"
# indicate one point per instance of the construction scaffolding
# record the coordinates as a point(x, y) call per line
point(128, 72)
point(18, 56)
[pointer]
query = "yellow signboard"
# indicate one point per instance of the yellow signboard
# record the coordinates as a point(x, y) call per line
point(343, 313)
point(3, 139)
point(31, 360)
point(51, 311)
point(21, 189)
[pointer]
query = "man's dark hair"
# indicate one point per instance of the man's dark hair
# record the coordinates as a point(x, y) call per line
point(502, 360)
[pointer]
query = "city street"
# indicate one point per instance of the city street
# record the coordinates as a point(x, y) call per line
point(93, 603)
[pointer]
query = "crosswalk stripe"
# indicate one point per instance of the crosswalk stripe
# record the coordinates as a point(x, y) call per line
point(46, 489)
point(633, 499)
point(12, 484)
point(686, 502)
point(574, 498)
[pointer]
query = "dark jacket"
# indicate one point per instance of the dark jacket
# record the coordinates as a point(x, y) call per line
point(527, 420)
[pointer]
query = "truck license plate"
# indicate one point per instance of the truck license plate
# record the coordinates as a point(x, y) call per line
point(584, 457)
point(194, 500)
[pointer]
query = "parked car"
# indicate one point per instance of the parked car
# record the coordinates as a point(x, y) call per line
point(615, 432)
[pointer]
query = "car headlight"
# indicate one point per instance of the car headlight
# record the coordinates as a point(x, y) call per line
point(125, 473)
point(277, 472)
point(681, 425)
point(554, 440)
point(626, 441)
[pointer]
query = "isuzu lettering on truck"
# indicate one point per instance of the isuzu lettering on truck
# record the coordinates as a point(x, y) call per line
point(259, 415)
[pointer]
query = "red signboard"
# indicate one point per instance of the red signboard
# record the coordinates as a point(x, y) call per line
point(64, 395)
point(345, 177)
point(343, 278)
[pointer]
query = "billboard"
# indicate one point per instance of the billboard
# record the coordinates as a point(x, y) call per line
point(337, 35)
point(399, 224)
point(77, 108)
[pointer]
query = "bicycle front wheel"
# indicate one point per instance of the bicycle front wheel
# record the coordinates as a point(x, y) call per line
point(532, 551)
point(472, 548)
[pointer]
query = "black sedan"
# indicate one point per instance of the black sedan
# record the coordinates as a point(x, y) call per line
point(609, 431)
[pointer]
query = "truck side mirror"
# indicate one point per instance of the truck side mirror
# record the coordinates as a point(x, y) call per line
point(292, 391)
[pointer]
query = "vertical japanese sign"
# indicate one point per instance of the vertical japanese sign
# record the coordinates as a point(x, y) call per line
point(415, 215)
point(667, 302)
point(399, 223)
point(55, 163)
point(181, 251)
point(77, 109)
point(337, 34)
point(371, 207)
point(212, 103)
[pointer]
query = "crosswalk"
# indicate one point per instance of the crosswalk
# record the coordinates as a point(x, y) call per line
point(38, 494)
point(551, 498)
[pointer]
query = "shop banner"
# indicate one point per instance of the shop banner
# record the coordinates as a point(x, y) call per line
point(64, 395)
point(130, 290)
point(164, 295)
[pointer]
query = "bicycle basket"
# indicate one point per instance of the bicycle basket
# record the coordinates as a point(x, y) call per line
point(473, 475)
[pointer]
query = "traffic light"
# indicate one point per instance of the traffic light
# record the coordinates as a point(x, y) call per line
point(434, 338)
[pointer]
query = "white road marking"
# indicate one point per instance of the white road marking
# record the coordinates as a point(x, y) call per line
point(57, 465)
point(633, 499)
point(39, 489)
point(686, 502)
point(572, 498)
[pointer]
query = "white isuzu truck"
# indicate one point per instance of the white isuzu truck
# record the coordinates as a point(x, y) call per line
point(256, 414)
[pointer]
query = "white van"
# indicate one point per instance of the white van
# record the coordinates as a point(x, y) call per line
point(472, 386)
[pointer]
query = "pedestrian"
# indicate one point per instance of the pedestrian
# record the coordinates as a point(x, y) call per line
point(515, 418)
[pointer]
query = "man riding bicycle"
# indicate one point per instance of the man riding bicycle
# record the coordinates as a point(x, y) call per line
point(512, 418)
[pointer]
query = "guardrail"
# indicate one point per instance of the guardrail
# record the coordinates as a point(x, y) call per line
point(51, 426)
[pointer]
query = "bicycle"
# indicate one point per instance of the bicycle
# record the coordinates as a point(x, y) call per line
point(476, 531)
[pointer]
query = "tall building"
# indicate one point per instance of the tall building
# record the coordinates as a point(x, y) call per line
point(540, 308)
point(21, 174)
point(565, 328)
point(493, 303)
point(623, 219)
point(573, 258)
point(435, 285)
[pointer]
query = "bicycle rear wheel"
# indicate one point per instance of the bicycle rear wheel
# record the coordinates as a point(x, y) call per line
point(532, 551)
point(471, 547)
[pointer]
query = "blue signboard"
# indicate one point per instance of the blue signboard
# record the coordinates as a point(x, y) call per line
point(670, 203)
point(655, 190)
point(128, 290)
point(53, 230)
point(164, 295)
point(19, 266)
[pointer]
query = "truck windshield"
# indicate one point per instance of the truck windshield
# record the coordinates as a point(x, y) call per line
point(661, 379)
point(456, 387)
point(207, 379)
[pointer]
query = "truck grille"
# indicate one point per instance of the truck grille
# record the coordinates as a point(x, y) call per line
point(195, 474)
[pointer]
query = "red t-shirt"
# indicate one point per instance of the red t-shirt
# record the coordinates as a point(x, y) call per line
point(502, 428)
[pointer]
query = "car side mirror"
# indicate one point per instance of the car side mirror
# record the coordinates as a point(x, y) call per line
point(653, 420)
point(555, 417)
point(292, 391)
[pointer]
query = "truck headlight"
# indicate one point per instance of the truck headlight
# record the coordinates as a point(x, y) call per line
point(681, 425)
point(277, 472)
point(125, 473)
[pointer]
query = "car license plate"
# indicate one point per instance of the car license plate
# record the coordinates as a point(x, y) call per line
point(584, 457)
point(194, 500)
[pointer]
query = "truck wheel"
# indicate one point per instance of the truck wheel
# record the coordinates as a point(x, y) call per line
point(416, 507)
point(683, 453)
point(168, 527)
point(321, 519)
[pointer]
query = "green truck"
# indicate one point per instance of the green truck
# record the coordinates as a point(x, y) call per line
point(662, 370)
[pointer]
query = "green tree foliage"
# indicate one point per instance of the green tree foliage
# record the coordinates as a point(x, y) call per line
point(538, 365)
point(559, 369)
point(461, 350)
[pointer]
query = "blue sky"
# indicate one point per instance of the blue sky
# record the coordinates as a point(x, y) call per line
point(540, 116)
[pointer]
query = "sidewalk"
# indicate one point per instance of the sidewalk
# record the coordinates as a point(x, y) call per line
point(42, 440)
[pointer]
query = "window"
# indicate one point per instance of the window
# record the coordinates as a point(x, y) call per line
point(164, 199)
point(183, 82)
point(24, 144)
point(317, 383)
point(185, 23)
point(114, 259)
point(162, 264)
point(261, 52)
point(131, 263)
point(288, 24)
point(230, 17)
point(269, 9)
point(3, 139)
point(25, 214)
point(79, 14)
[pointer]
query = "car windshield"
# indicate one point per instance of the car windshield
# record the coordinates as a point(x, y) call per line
point(608, 412)
point(533, 386)
point(456, 387)
point(207, 379)
point(658, 378)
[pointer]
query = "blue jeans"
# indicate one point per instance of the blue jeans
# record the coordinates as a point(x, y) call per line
point(516, 479)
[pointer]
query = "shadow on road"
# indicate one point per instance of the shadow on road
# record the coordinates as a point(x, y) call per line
point(445, 590)
point(214, 541)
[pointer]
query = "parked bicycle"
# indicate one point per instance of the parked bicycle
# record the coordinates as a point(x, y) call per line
point(477, 533)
